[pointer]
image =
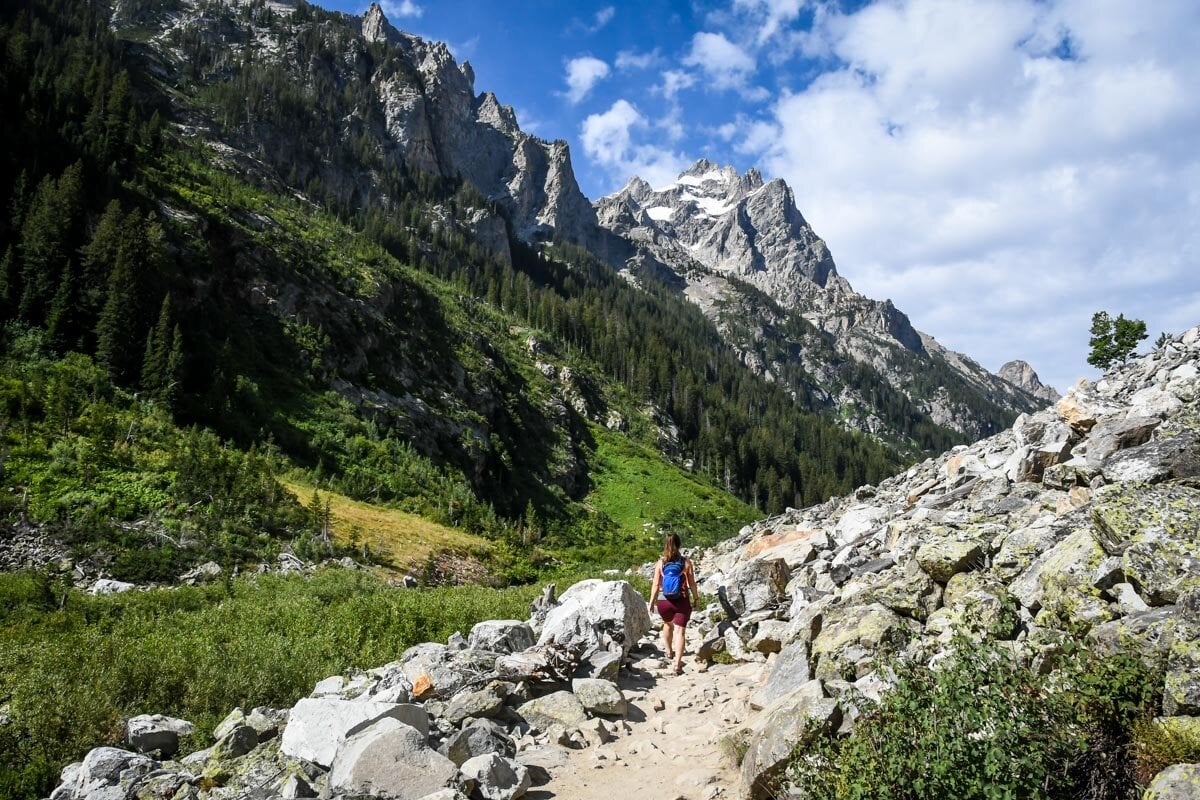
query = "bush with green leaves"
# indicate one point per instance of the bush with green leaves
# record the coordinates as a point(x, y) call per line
point(980, 723)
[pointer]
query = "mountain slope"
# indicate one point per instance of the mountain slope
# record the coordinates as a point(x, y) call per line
point(209, 225)
point(714, 229)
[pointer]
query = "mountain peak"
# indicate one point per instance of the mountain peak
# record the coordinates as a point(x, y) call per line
point(375, 25)
point(1020, 374)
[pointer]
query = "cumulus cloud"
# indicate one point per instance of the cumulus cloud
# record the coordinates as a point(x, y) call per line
point(1003, 168)
point(583, 73)
point(610, 139)
point(401, 8)
point(602, 18)
point(726, 64)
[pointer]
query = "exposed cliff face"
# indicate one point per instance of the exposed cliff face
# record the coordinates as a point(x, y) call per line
point(714, 228)
point(392, 104)
point(1021, 375)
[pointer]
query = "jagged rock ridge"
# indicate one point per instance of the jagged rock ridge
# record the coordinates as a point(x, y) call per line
point(713, 227)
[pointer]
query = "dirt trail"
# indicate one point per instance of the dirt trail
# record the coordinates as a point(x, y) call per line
point(672, 748)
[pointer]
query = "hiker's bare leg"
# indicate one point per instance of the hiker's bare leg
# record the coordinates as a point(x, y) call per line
point(666, 637)
point(680, 632)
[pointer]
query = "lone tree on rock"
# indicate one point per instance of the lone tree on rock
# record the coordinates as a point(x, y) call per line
point(1114, 340)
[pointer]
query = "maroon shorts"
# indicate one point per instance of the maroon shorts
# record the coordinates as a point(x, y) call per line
point(676, 612)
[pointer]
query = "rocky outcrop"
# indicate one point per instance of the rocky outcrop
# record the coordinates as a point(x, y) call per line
point(358, 736)
point(1043, 532)
point(1021, 375)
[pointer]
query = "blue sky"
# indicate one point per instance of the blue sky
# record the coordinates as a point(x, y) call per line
point(999, 168)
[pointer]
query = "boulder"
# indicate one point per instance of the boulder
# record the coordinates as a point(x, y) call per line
point(1082, 407)
point(1177, 782)
point(599, 696)
point(1181, 692)
point(317, 726)
point(436, 669)
point(237, 742)
point(391, 760)
point(1154, 401)
point(1149, 634)
point(944, 557)
point(601, 664)
point(1061, 575)
point(109, 773)
point(501, 636)
point(1153, 529)
point(109, 586)
point(1116, 434)
point(485, 702)
point(496, 778)
point(476, 739)
point(1171, 458)
point(853, 636)
point(789, 672)
point(782, 728)
point(558, 708)
point(148, 733)
point(909, 591)
point(597, 615)
point(756, 584)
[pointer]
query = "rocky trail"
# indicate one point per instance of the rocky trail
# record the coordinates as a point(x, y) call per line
point(671, 740)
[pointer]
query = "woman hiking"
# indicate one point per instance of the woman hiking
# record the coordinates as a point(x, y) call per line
point(673, 574)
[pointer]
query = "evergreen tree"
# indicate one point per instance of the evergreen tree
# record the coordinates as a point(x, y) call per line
point(1113, 340)
point(60, 319)
point(158, 347)
point(174, 371)
point(1162, 339)
point(45, 245)
point(115, 341)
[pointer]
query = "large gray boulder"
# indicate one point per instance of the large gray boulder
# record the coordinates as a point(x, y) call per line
point(476, 739)
point(1171, 458)
point(1112, 435)
point(790, 672)
point(107, 773)
point(853, 636)
point(391, 760)
point(596, 615)
point(1177, 782)
point(485, 702)
point(148, 733)
point(501, 636)
point(497, 778)
point(782, 727)
point(442, 670)
point(559, 708)
point(757, 584)
point(317, 726)
point(947, 555)
point(599, 696)
point(1153, 530)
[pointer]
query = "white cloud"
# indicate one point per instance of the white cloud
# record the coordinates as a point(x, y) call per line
point(610, 140)
point(401, 8)
point(723, 61)
point(582, 74)
point(674, 81)
point(726, 65)
point(631, 60)
point(602, 18)
point(1003, 168)
point(770, 15)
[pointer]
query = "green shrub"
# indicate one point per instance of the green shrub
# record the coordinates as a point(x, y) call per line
point(981, 724)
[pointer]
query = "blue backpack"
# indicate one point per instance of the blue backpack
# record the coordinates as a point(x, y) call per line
point(673, 580)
